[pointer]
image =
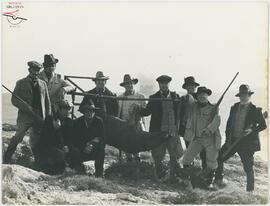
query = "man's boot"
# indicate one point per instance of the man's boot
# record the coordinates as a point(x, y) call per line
point(10, 150)
point(159, 169)
point(250, 181)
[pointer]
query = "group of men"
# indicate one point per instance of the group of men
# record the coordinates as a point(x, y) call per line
point(61, 141)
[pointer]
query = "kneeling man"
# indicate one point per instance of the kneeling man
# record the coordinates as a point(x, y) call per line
point(89, 139)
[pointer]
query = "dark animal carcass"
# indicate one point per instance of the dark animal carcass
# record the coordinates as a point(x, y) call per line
point(125, 137)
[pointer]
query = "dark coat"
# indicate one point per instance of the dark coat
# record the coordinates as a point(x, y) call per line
point(55, 138)
point(111, 105)
point(254, 119)
point(154, 108)
point(82, 134)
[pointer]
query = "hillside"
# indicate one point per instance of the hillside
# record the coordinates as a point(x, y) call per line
point(124, 183)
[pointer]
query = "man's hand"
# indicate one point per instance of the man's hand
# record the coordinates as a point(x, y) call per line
point(56, 124)
point(88, 148)
point(206, 133)
point(65, 149)
point(247, 132)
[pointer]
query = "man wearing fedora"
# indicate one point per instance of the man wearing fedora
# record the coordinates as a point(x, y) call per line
point(34, 93)
point(164, 117)
point(188, 99)
point(88, 139)
point(55, 140)
point(107, 106)
point(245, 121)
point(202, 129)
point(126, 112)
point(56, 85)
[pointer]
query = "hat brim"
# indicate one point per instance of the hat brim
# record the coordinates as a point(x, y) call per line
point(87, 107)
point(207, 91)
point(100, 78)
point(238, 94)
point(194, 83)
point(134, 81)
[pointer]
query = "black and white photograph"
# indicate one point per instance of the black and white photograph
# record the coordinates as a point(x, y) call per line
point(134, 102)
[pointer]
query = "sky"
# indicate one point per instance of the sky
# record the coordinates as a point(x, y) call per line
point(211, 41)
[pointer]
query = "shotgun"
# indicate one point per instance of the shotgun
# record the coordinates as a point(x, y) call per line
point(30, 111)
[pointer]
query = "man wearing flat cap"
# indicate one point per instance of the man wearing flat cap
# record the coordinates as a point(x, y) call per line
point(188, 99)
point(164, 117)
point(55, 140)
point(126, 110)
point(88, 139)
point(57, 87)
point(107, 106)
point(245, 121)
point(34, 93)
point(202, 129)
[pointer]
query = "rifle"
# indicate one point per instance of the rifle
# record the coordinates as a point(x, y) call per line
point(37, 118)
point(237, 141)
point(215, 109)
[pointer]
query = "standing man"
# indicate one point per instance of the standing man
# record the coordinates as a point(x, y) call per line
point(34, 92)
point(164, 117)
point(125, 109)
point(107, 106)
point(57, 87)
point(245, 121)
point(202, 129)
point(89, 139)
point(190, 86)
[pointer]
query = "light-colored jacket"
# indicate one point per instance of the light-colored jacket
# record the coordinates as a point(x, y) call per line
point(23, 89)
point(125, 110)
point(212, 124)
point(56, 85)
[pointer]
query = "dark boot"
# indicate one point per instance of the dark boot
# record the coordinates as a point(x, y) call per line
point(10, 150)
point(159, 169)
point(250, 181)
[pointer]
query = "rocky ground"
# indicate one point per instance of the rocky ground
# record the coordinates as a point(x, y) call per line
point(124, 183)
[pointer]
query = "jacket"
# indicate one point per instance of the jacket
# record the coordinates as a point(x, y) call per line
point(254, 120)
point(212, 124)
point(55, 86)
point(154, 108)
point(111, 105)
point(23, 89)
point(82, 134)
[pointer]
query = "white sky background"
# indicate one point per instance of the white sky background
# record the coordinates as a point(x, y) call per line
point(211, 41)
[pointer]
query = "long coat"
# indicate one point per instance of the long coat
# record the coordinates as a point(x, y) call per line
point(254, 119)
point(154, 108)
point(55, 85)
point(111, 105)
point(23, 89)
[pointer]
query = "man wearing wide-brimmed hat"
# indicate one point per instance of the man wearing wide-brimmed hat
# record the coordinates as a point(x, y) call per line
point(34, 92)
point(245, 121)
point(188, 99)
point(88, 139)
point(107, 106)
point(55, 140)
point(56, 85)
point(202, 131)
point(126, 111)
point(164, 117)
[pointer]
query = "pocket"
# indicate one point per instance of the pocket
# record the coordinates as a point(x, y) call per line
point(206, 115)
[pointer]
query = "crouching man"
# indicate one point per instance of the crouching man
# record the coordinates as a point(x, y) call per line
point(245, 122)
point(88, 139)
point(203, 131)
point(55, 139)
